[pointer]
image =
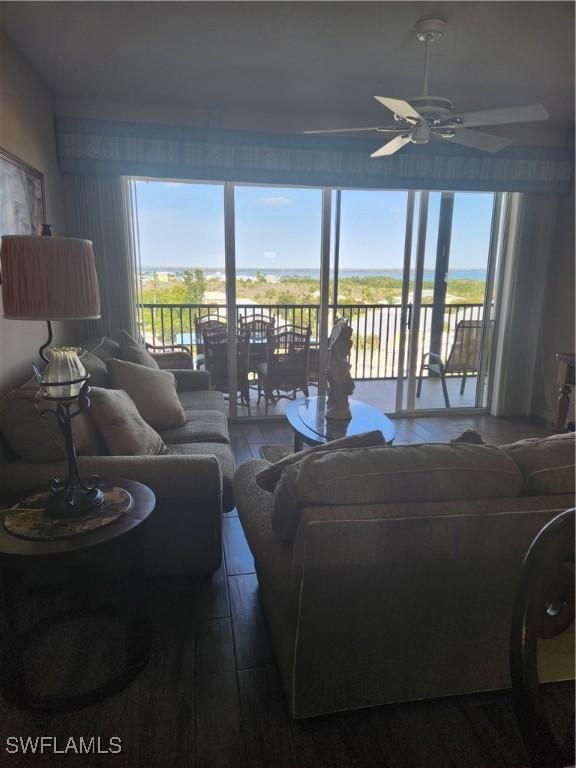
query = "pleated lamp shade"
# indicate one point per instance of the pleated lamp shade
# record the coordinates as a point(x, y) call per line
point(48, 278)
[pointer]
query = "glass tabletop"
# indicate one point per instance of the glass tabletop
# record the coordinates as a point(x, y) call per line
point(308, 418)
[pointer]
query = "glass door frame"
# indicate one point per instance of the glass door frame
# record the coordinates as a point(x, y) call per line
point(494, 264)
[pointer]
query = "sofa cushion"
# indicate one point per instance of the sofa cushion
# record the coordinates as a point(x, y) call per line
point(428, 472)
point(269, 477)
point(200, 427)
point(152, 390)
point(547, 464)
point(96, 367)
point(202, 400)
point(103, 347)
point(34, 437)
point(121, 427)
point(133, 352)
point(225, 458)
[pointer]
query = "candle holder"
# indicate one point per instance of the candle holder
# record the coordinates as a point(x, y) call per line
point(65, 382)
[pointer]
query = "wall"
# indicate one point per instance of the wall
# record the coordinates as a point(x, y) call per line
point(557, 325)
point(27, 131)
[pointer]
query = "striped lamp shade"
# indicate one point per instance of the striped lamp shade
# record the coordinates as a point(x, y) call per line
point(48, 278)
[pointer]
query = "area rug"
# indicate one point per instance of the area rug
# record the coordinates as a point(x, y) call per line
point(274, 453)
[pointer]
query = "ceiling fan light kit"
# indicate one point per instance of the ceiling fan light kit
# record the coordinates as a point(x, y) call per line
point(425, 118)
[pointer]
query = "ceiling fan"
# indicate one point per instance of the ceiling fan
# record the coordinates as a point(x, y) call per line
point(426, 118)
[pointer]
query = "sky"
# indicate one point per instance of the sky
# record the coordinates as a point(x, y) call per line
point(182, 225)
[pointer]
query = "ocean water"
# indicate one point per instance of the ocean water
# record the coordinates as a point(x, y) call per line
point(250, 274)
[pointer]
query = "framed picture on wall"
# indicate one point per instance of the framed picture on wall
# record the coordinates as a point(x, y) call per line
point(22, 205)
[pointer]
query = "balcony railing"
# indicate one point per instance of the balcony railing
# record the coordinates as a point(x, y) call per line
point(376, 328)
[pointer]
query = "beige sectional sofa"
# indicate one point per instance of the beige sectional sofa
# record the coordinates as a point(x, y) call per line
point(395, 576)
point(192, 481)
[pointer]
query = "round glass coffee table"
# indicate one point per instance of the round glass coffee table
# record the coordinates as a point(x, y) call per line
point(307, 417)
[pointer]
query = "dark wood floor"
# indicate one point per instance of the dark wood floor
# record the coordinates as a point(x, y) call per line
point(211, 697)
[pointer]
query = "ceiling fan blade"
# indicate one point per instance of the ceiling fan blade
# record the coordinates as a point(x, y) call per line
point(400, 108)
point(392, 146)
point(351, 130)
point(501, 116)
point(487, 142)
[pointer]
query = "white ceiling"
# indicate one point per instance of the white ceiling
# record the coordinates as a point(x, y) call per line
point(294, 65)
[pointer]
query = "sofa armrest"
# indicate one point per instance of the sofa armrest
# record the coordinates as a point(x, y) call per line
point(180, 359)
point(192, 381)
point(170, 477)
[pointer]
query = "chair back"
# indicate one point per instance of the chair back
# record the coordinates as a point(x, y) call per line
point(215, 342)
point(287, 356)
point(464, 356)
point(543, 609)
point(208, 322)
point(257, 324)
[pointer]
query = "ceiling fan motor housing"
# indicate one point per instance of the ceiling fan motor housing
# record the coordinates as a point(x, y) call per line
point(420, 134)
point(432, 106)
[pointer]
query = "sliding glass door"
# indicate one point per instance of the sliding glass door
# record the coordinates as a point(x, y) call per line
point(277, 278)
point(451, 301)
point(414, 273)
point(368, 268)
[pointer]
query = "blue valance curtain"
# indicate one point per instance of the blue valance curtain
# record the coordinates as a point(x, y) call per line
point(164, 151)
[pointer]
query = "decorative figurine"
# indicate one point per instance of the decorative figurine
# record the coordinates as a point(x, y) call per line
point(340, 384)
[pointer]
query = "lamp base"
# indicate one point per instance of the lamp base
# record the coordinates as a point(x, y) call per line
point(81, 503)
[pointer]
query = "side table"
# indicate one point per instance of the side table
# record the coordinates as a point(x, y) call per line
point(77, 556)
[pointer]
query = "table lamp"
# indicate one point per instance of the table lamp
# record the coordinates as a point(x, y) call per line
point(54, 278)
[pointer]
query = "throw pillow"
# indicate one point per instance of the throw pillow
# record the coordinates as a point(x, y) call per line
point(133, 352)
point(34, 437)
point(96, 367)
point(547, 464)
point(102, 347)
point(152, 390)
point(269, 478)
point(121, 427)
point(388, 474)
point(469, 436)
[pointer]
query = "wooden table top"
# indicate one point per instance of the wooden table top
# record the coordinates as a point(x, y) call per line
point(144, 502)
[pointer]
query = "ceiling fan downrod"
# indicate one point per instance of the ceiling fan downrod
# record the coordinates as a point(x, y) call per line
point(428, 31)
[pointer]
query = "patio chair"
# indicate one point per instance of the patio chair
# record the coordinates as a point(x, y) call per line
point(208, 322)
point(463, 358)
point(286, 365)
point(258, 325)
point(215, 342)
